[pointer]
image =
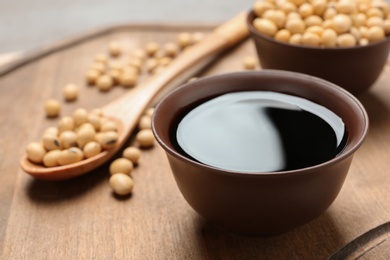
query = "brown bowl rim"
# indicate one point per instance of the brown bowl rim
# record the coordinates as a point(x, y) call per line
point(350, 150)
point(251, 16)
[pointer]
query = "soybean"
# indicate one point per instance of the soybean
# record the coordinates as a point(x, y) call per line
point(71, 91)
point(35, 152)
point(145, 138)
point(91, 149)
point(121, 183)
point(121, 165)
point(52, 107)
point(132, 153)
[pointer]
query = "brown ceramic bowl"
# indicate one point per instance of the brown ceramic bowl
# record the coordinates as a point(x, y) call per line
point(353, 68)
point(266, 202)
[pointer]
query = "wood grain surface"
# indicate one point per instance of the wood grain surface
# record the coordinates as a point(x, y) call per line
point(82, 219)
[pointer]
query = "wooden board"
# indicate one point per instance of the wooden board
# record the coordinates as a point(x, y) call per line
point(82, 219)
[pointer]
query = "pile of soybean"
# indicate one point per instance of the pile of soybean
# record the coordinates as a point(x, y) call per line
point(323, 23)
point(86, 134)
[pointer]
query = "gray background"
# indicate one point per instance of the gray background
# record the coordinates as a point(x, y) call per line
point(30, 24)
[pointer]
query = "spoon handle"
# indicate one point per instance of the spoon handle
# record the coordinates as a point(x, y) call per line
point(130, 106)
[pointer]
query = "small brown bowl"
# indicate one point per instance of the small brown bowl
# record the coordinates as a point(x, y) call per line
point(354, 68)
point(266, 202)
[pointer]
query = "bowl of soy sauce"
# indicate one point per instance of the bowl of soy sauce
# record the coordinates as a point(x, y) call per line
point(260, 152)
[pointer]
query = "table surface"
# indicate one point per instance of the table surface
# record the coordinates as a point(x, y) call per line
point(81, 217)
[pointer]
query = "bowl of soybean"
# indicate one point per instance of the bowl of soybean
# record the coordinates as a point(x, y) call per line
point(260, 152)
point(336, 41)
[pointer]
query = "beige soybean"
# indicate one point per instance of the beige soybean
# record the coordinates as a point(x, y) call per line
point(346, 40)
point(101, 57)
point(51, 142)
point(363, 42)
point(171, 49)
point(311, 39)
point(68, 139)
point(136, 63)
point(279, 18)
point(108, 139)
point(313, 20)
point(121, 165)
point(319, 7)
point(99, 67)
point(108, 125)
point(145, 138)
point(345, 7)
point(98, 111)
point(91, 149)
point(355, 32)
point(114, 48)
point(249, 63)
point(329, 37)
point(306, 10)
point(184, 39)
point(297, 2)
point(80, 116)
point(52, 107)
point(91, 76)
point(283, 35)
point(315, 29)
point(121, 184)
point(70, 155)
point(374, 12)
point(375, 34)
point(265, 26)
point(151, 48)
point(94, 119)
point(259, 7)
point(66, 123)
point(145, 122)
point(287, 7)
point(151, 65)
point(128, 79)
point(374, 21)
point(130, 70)
point(293, 15)
point(84, 136)
point(164, 61)
point(51, 131)
point(86, 125)
point(341, 23)
point(51, 158)
point(132, 153)
point(115, 75)
point(149, 111)
point(104, 82)
point(269, 14)
point(35, 152)
point(139, 54)
point(71, 91)
point(295, 39)
point(363, 31)
point(115, 65)
point(359, 19)
point(295, 26)
point(386, 26)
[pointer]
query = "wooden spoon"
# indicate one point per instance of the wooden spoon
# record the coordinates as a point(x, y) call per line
point(128, 109)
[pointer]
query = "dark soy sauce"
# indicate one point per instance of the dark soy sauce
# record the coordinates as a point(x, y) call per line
point(260, 131)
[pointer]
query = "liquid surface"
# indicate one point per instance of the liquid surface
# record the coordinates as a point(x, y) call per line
point(260, 131)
